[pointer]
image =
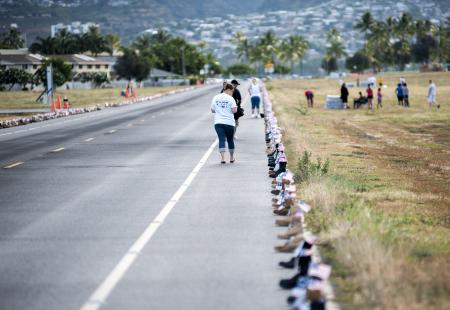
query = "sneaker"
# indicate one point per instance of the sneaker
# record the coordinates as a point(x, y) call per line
point(290, 264)
point(282, 212)
point(290, 283)
point(294, 231)
point(283, 221)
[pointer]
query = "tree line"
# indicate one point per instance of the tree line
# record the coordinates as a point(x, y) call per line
point(400, 41)
point(164, 51)
point(65, 42)
point(159, 50)
point(394, 42)
point(284, 54)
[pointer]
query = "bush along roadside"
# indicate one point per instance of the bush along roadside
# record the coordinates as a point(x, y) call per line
point(309, 286)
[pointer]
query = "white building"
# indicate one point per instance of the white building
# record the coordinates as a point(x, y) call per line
point(74, 27)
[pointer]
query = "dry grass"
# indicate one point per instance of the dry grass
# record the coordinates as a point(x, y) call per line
point(77, 97)
point(383, 212)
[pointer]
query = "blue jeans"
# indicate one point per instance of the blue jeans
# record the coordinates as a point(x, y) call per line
point(225, 132)
point(255, 102)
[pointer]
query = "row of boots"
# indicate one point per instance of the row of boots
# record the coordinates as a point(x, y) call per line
point(307, 286)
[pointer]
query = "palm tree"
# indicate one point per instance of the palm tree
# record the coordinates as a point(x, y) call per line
point(334, 51)
point(113, 41)
point(378, 46)
point(94, 41)
point(441, 33)
point(293, 49)
point(161, 36)
point(46, 46)
point(11, 40)
point(142, 42)
point(403, 31)
point(66, 43)
point(255, 56)
point(336, 47)
point(269, 45)
point(366, 23)
point(243, 46)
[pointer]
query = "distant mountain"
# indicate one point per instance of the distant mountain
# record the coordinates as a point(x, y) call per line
point(130, 17)
point(126, 17)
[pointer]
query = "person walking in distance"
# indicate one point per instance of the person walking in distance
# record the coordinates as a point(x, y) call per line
point(344, 95)
point(369, 97)
point(224, 106)
point(405, 95)
point(379, 98)
point(309, 98)
point(255, 97)
point(432, 94)
point(237, 97)
point(399, 93)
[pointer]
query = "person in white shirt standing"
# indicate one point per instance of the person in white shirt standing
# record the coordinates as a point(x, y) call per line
point(224, 106)
point(255, 97)
point(432, 94)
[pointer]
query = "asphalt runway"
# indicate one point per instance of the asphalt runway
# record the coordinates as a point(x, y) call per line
point(129, 208)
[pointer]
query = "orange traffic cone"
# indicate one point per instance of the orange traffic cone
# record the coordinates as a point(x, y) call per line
point(66, 103)
point(58, 106)
point(53, 106)
point(127, 93)
point(134, 93)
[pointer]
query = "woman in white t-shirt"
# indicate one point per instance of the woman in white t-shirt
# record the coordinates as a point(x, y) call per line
point(432, 94)
point(224, 106)
point(255, 97)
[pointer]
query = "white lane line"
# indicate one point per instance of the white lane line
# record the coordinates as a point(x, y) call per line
point(58, 150)
point(112, 131)
point(13, 165)
point(129, 125)
point(102, 292)
point(5, 134)
point(89, 140)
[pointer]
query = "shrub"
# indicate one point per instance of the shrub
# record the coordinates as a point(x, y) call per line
point(240, 69)
point(97, 78)
point(306, 168)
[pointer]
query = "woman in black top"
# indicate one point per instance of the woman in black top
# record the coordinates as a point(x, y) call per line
point(344, 95)
point(237, 97)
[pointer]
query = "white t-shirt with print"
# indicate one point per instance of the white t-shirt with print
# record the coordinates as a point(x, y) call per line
point(223, 104)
